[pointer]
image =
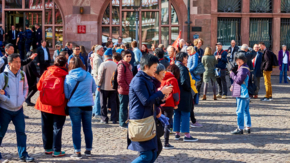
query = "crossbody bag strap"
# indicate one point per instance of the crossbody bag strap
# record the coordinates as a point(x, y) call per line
point(78, 82)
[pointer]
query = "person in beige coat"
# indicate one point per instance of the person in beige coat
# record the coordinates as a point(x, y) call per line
point(105, 73)
point(97, 61)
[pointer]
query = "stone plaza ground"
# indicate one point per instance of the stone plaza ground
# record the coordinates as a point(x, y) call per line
point(269, 141)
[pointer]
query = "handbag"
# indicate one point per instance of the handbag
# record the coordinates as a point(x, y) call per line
point(66, 107)
point(159, 128)
point(199, 69)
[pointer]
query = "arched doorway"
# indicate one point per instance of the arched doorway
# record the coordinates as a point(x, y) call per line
point(46, 13)
point(158, 22)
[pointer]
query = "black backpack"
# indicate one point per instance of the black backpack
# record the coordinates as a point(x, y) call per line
point(114, 80)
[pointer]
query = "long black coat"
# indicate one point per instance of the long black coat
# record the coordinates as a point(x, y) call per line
point(31, 74)
point(185, 103)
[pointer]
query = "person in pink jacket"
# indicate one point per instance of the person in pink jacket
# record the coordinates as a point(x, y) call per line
point(125, 75)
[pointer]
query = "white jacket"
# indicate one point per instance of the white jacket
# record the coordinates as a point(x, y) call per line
point(16, 90)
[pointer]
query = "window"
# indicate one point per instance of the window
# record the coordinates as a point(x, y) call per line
point(261, 6)
point(30, 12)
point(261, 31)
point(285, 6)
point(229, 6)
point(156, 21)
point(229, 29)
point(285, 33)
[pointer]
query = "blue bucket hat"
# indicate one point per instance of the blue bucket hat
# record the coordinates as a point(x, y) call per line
point(109, 52)
point(120, 51)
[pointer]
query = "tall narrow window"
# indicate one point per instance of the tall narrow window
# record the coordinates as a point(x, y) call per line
point(229, 6)
point(285, 33)
point(285, 6)
point(261, 30)
point(229, 29)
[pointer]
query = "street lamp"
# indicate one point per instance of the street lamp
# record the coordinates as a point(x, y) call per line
point(137, 4)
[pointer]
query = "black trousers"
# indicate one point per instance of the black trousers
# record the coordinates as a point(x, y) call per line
point(168, 112)
point(112, 96)
point(43, 66)
point(32, 91)
point(159, 145)
point(199, 84)
point(222, 83)
point(52, 130)
point(192, 116)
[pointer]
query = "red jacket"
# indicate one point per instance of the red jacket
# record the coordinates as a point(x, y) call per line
point(59, 110)
point(174, 97)
point(124, 78)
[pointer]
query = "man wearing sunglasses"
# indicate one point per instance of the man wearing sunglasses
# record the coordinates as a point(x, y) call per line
point(119, 42)
point(76, 53)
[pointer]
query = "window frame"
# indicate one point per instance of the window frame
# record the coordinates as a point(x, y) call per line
point(140, 10)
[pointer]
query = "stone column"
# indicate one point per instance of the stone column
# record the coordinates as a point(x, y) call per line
point(245, 22)
point(214, 9)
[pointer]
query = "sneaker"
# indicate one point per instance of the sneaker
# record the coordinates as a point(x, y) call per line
point(88, 153)
point(288, 77)
point(270, 99)
point(4, 161)
point(26, 117)
point(103, 122)
point(265, 99)
point(218, 96)
point(237, 132)
point(247, 131)
point(48, 151)
point(26, 159)
point(224, 97)
point(177, 137)
point(196, 124)
point(168, 146)
point(115, 122)
point(76, 155)
point(190, 139)
point(123, 127)
point(58, 154)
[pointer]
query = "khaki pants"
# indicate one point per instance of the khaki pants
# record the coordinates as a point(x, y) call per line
point(268, 85)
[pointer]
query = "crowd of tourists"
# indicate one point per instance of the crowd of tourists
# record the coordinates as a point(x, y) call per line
point(148, 93)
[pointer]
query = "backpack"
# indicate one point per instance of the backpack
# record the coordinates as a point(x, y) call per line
point(52, 91)
point(6, 79)
point(114, 81)
point(275, 62)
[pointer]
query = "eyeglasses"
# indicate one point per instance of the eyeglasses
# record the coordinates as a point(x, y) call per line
point(129, 56)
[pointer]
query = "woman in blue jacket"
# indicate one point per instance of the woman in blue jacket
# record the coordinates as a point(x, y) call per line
point(142, 97)
point(80, 104)
point(192, 63)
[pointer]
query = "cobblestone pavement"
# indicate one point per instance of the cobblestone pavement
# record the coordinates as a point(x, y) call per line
point(269, 141)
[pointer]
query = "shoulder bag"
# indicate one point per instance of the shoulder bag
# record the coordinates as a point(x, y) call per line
point(66, 107)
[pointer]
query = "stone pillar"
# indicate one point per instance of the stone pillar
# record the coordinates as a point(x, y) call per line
point(245, 22)
point(214, 9)
point(276, 27)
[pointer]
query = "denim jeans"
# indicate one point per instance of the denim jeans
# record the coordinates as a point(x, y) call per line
point(18, 120)
point(243, 112)
point(283, 72)
point(181, 121)
point(97, 104)
point(78, 117)
point(52, 130)
point(146, 157)
point(123, 114)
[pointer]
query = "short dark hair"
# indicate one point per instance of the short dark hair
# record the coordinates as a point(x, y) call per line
point(180, 56)
point(117, 56)
point(26, 25)
point(134, 44)
point(175, 70)
point(189, 42)
point(43, 41)
point(262, 43)
point(60, 61)
point(12, 57)
point(7, 46)
point(126, 52)
point(127, 45)
point(75, 62)
point(76, 46)
point(63, 53)
point(148, 60)
point(108, 43)
point(159, 53)
point(120, 37)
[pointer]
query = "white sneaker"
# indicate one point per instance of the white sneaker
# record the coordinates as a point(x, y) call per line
point(4, 161)
point(288, 77)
